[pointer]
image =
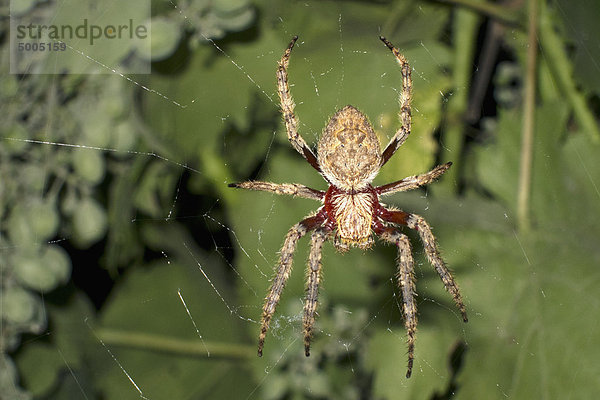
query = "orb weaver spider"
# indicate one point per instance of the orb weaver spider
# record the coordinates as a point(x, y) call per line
point(349, 157)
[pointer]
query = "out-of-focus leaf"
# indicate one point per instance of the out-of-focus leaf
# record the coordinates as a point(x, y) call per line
point(59, 364)
point(156, 291)
point(8, 381)
point(89, 165)
point(42, 269)
point(92, 45)
point(154, 192)
point(211, 91)
point(165, 38)
point(21, 7)
point(531, 297)
point(89, 222)
point(533, 293)
point(19, 306)
point(40, 365)
point(580, 23)
point(499, 163)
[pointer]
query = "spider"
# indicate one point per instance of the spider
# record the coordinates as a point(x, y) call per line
point(348, 158)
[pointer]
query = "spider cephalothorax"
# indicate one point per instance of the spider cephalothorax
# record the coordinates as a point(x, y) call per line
point(349, 158)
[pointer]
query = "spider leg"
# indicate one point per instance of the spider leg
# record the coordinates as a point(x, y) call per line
point(419, 224)
point(413, 182)
point(312, 286)
point(283, 271)
point(405, 97)
point(293, 189)
point(287, 109)
point(406, 280)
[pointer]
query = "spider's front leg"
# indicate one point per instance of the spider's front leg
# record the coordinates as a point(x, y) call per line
point(287, 109)
point(405, 97)
point(283, 271)
point(406, 280)
point(292, 189)
point(413, 182)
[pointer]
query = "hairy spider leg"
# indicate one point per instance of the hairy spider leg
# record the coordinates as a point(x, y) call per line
point(283, 271)
point(413, 182)
point(419, 224)
point(292, 189)
point(318, 237)
point(405, 98)
point(287, 109)
point(406, 281)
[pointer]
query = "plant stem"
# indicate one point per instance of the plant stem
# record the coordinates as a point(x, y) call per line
point(528, 127)
point(561, 68)
point(189, 348)
point(491, 10)
point(465, 26)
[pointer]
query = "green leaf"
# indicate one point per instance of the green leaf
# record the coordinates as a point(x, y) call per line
point(19, 306)
point(581, 26)
point(40, 364)
point(89, 222)
point(530, 291)
point(58, 363)
point(158, 370)
point(499, 163)
point(42, 269)
point(9, 387)
point(165, 38)
point(89, 165)
point(92, 45)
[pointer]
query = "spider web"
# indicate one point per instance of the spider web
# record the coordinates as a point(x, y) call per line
point(212, 285)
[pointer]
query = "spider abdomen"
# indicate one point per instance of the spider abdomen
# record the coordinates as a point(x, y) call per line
point(353, 216)
point(348, 152)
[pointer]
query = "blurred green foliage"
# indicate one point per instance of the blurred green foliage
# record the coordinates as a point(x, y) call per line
point(92, 162)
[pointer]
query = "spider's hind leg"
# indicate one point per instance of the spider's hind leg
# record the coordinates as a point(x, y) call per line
point(312, 285)
point(406, 280)
point(419, 224)
point(433, 255)
point(283, 272)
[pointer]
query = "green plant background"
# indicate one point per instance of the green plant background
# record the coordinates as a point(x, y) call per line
point(129, 177)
